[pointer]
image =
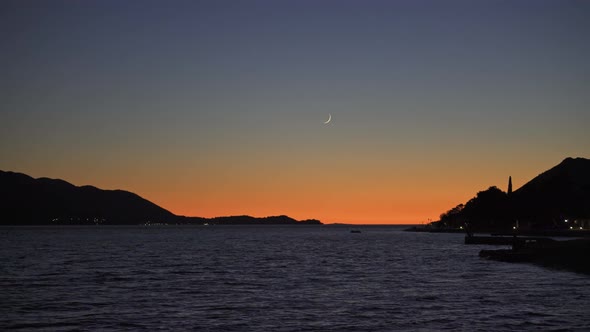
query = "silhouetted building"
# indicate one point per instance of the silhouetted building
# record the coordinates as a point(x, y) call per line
point(509, 185)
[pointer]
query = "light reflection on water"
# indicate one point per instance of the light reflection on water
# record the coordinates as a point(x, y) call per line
point(275, 278)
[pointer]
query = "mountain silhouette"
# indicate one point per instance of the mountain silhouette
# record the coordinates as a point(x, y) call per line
point(561, 192)
point(545, 202)
point(25, 200)
point(273, 220)
point(28, 201)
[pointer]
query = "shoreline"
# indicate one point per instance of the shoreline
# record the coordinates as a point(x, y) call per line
point(538, 247)
point(569, 255)
point(532, 232)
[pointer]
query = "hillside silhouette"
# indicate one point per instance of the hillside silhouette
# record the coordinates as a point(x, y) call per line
point(561, 193)
point(28, 201)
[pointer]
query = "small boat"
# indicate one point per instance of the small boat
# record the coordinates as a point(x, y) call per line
point(355, 230)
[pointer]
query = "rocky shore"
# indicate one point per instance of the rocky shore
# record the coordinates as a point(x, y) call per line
point(568, 255)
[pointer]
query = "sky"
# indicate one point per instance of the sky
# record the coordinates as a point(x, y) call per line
point(216, 108)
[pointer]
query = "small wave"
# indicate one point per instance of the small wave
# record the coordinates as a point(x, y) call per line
point(36, 325)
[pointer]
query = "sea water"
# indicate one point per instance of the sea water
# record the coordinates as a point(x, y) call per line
point(273, 278)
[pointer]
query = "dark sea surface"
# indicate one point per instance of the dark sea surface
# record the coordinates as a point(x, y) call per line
point(274, 278)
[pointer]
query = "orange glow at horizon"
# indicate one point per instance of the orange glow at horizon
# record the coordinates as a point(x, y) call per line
point(372, 199)
point(348, 186)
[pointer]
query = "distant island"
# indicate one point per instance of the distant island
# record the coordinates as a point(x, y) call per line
point(556, 200)
point(28, 201)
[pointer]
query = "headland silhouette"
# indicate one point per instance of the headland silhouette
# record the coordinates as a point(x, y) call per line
point(28, 201)
point(558, 199)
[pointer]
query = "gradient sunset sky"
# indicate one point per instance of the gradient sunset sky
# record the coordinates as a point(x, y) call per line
point(214, 108)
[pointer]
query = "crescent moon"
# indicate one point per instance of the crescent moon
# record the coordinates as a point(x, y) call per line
point(329, 119)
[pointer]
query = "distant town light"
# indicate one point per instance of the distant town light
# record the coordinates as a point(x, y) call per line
point(566, 220)
point(580, 227)
point(571, 227)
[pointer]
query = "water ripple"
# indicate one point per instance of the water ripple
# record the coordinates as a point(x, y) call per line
point(273, 278)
